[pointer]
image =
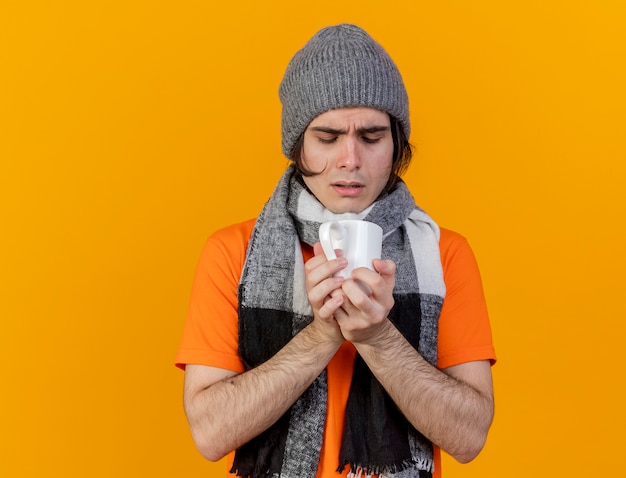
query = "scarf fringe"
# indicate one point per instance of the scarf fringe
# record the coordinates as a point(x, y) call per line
point(425, 464)
point(359, 471)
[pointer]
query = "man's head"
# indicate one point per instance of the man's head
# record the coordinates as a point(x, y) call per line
point(343, 67)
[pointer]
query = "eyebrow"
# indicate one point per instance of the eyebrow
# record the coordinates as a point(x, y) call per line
point(336, 131)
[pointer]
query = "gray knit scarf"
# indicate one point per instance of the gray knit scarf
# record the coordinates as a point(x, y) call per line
point(273, 307)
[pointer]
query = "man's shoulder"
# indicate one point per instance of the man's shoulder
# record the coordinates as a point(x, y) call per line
point(231, 241)
point(456, 252)
point(450, 239)
point(239, 230)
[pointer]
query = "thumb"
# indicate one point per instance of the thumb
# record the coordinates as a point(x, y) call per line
point(317, 249)
point(386, 268)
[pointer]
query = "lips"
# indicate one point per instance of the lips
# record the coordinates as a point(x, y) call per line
point(348, 188)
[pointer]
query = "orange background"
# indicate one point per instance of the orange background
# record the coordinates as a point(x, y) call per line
point(132, 130)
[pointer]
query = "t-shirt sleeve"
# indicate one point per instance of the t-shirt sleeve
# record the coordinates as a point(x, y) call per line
point(211, 328)
point(464, 329)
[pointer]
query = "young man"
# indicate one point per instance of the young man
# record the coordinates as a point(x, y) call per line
point(291, 371)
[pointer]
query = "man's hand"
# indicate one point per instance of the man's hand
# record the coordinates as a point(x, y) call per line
point(358, 306)
point(324, 291)
point(368, 301)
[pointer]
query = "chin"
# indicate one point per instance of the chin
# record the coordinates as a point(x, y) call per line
point(352, 209)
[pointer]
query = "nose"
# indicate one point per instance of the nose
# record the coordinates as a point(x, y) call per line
point(350, 158)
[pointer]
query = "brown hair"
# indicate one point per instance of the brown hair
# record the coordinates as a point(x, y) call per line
point(402, 155)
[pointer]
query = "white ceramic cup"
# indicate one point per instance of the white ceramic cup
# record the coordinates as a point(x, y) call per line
point(360, 241)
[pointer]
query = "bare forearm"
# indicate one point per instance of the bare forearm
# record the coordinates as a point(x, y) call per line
point(227, 414)
point(452, 413)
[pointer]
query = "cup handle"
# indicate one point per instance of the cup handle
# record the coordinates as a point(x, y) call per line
point(331, 234)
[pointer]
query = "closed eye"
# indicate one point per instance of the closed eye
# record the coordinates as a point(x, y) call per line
point(327, 140)
point(370, 140)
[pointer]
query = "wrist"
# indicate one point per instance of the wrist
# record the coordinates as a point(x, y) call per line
point(380, 336)
point(321, 336)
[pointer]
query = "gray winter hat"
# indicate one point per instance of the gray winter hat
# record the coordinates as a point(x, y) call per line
point(340, 66)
